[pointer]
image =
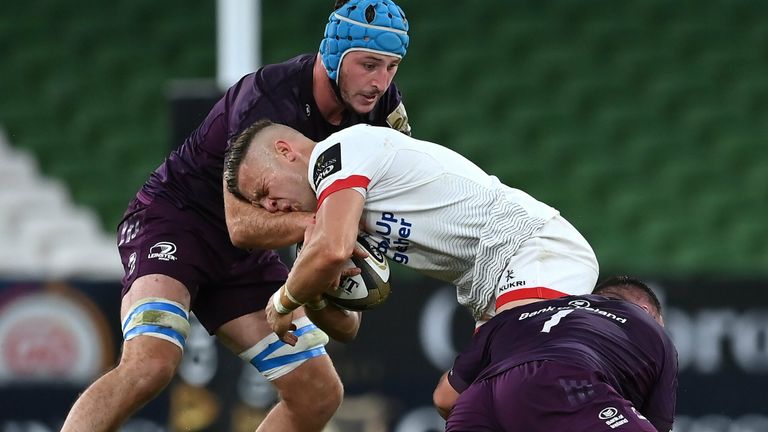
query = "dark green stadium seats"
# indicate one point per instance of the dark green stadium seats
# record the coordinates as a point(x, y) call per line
point(77, 77)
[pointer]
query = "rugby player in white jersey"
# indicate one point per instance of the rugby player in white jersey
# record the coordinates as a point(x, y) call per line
point(422, 205)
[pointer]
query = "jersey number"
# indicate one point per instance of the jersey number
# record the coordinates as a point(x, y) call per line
point(555, 320)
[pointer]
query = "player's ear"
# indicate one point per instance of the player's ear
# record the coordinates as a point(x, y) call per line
point(285, 150)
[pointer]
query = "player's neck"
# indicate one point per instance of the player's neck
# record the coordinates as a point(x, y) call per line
point(517, 303)
point(327, 102)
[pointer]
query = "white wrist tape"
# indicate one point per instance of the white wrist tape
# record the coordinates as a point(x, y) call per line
point(279, 308)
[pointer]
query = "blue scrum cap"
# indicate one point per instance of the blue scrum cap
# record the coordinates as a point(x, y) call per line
point(377, 26)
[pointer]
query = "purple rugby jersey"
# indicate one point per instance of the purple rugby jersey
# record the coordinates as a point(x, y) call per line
point(616, 341)
point(191, 176)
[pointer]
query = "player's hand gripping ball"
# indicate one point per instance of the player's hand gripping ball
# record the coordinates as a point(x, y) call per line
point(367, 290)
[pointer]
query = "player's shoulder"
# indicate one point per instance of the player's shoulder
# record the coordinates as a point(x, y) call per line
point(614, 305)
point(349, 139)
point(272, 78)
point(279, 73)
point(361, 133)
point(353, 149)
point(596, 299)
point(392, 110)
point(274, 92)
point(272, 84)
point(360, 129)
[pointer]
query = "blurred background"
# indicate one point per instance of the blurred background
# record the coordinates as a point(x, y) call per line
point(644, 122)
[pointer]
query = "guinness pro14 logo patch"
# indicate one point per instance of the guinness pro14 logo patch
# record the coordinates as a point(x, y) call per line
point(327, 163)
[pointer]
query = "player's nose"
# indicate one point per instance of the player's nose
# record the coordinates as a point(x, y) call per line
point(385, 78)
point(381, 80)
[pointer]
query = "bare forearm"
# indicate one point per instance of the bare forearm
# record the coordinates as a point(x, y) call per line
point(263, 230)
point(444, 397)
point(252, 227)
point(315, 271)
point(341, 325)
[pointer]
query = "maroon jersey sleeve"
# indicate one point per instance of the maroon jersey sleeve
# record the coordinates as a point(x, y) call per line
point(470, 362)
point(660, 407)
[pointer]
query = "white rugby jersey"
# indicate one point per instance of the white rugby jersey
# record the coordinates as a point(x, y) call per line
point(429, 208)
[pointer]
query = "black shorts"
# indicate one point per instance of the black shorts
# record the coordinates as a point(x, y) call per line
point(224, 282)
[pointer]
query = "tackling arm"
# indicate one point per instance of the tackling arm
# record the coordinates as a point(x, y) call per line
point(252, 227)
point(444, 396)
point(466, 367)
point(660, 405)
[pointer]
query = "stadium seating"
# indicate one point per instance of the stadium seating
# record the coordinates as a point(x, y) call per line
point(42, 234)
point(644, 122)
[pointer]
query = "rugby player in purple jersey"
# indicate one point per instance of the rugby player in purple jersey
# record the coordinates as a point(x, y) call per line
point(592, 363)
point(188, 246)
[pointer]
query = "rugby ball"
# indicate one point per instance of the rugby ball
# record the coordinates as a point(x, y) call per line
point(367, 290)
